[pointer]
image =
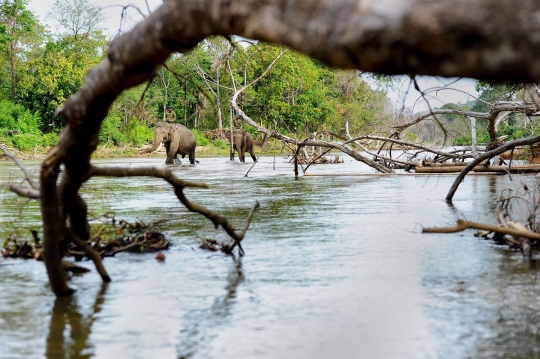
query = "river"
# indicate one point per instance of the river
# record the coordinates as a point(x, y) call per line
point(335, 267)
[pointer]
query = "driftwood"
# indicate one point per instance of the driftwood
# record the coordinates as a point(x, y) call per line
point(494, 169)
point(462, 225)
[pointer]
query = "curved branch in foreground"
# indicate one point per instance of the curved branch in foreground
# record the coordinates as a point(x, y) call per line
point(178, 186)
point(487, 155)
point(463, 225)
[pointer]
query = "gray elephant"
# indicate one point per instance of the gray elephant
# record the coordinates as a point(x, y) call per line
point(243, 142)
point(178, 140)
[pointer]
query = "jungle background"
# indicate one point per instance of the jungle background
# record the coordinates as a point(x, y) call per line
point(42, 67)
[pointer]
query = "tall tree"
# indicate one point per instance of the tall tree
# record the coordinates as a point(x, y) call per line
point(17, 26)
point(77, 17)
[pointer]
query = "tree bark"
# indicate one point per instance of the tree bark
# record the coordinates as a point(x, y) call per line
point(473, 136)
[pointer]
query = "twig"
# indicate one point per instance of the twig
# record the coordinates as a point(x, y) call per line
point(246, 227)
point(92, 254)
point(20, 165)
point(265, 143)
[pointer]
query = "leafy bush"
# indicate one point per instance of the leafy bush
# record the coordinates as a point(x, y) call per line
point(50, 139)
point(201, 138)
point(110, 130)
point(220, 143)
point(26, 141)
point(16, 117)
point(133, 132)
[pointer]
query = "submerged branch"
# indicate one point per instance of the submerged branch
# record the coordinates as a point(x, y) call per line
point(178, 186)
point(462, 225)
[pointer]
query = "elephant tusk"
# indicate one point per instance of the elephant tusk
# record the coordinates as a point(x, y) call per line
point(159, 147)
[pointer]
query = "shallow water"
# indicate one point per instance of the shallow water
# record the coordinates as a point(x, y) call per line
point(335, 267)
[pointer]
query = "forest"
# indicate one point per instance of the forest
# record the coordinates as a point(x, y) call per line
point(41, 69)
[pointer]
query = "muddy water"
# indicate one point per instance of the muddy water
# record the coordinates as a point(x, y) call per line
point(335, 267)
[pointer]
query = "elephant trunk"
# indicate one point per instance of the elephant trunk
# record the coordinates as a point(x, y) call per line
point(158, 140)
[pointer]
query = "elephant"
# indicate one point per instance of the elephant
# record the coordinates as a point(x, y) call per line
point(178, 140)
point(243, 142)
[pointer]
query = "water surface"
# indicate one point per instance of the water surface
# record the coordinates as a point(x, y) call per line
point(335, 267)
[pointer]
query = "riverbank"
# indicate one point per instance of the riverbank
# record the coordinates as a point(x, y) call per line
point(133, 151)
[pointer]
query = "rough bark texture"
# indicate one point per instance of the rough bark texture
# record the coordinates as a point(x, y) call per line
point(486, 39)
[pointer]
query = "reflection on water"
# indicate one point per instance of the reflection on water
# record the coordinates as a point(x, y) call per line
point(69, 329)
point(334, 267)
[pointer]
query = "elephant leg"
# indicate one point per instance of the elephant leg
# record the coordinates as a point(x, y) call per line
point(232, 153)
point(243, 155)
point(168, 161)
point(192, 157)
point(171, 154)
point(252, 153)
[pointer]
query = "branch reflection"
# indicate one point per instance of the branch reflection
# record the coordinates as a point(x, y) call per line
point(70, 328)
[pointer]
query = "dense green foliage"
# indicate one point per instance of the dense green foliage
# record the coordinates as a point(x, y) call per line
point(42, 69)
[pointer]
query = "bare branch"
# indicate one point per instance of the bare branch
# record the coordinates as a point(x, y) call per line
point(178, 185)
point(92, 254)
point(429, 114)
point(164, 173)
point(413, 145)
point(25, 191)
point(533, 92)
point(487, 155)
point(463, 225)
point(20, 165)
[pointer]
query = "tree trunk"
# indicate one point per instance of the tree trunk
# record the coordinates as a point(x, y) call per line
point(218, 99)
point(473, 136)
point(13, 71)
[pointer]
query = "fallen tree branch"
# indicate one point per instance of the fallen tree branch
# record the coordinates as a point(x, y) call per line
point(462, 225)
point(410, 144)
point(243, 232)
point(20, 165)
point(485, 156)
point(92, 254)
point(178, 186)
point(307, 142)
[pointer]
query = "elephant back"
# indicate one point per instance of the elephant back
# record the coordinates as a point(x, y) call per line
point(248, 138)
point(185, 137)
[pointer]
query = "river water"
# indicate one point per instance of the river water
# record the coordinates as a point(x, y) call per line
point(335, 267)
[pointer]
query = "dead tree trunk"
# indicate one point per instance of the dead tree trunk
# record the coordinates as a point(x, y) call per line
point(473, 136)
